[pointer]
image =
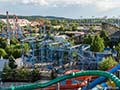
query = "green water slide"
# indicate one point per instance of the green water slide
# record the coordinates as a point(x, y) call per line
point(68, 76)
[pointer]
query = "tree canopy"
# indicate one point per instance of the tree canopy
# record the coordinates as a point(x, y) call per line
point(117, 48)
point(104, 35)
point(21, 74)
point(2, 52)
point(12, 63)
point(107, 63)
point(97, 44)
point(88, 39)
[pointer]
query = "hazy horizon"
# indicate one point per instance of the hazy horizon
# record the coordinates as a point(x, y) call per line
point(62, 8)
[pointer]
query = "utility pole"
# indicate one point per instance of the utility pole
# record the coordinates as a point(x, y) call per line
point(8, 29)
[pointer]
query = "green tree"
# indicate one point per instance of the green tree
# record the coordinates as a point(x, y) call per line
point(2, 24)
point(54, 22)
point(16, 50)
point(104, 35)
point(9, 49)
point(74, 54)
point(88, 39)
point(61, 29)
point(3, 43)
point(12, 63)
point(2, 53)
point(6, 74)
point(46, 23)
point(17, 53)
point(74, 27)
point(17, 46)
point(92, 29)
point(107, 63)
point(97, 44)
point(117, 48)
point(35, 74)
point(23, 74)
point(69, 29)
point(14, 41)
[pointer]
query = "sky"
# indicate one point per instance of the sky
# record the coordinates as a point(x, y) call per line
point(62, 8)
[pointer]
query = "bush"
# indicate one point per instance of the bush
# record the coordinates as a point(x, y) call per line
point(6, 73)
point(14, 50)
point(12, 63)
point(107, 63)
point(117, 48)
point(2, 53)
point(3, 43)
point(20, 75)
point(14, 41)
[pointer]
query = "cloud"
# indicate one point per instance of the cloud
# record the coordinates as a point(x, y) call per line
point(101, 5)
point(105, 5)
point(39, 2)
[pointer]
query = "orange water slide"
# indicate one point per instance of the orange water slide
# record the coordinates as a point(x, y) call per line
point(82, 81)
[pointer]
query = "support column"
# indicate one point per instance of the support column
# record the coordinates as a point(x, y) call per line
point(58, 86)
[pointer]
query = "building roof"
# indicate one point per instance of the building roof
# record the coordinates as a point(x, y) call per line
point(21, 22)
point(61, 38)
point(35, 23)
point(74, 32)
point(116, 34)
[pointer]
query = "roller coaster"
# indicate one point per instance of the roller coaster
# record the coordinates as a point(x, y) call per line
point(46, 49)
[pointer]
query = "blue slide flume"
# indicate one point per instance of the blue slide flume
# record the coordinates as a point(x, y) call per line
point(101, 79)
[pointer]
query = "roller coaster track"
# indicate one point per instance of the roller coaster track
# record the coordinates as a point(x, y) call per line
point(68, 76)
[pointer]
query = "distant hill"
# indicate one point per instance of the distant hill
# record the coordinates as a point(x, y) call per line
point(34, 17)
